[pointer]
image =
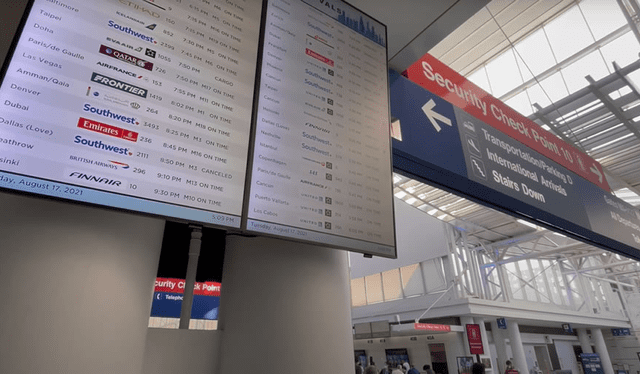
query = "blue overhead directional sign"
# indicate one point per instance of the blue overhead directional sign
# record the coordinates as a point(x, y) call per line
point(444, 145)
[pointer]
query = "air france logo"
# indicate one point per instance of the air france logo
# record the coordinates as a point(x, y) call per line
point(109, 114)
point(119, 55)
point(98, 144)
point(132, 32)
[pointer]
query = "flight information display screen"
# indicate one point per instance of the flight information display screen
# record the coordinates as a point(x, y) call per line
point(321, 167)
point(137, 104)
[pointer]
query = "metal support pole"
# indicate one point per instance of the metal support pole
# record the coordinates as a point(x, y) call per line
point(192, 267)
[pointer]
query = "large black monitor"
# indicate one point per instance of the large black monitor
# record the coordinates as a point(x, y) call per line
point(137, 104)
point(321, 165)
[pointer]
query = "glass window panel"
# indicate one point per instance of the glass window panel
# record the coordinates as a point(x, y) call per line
point(524, 69)
point(555, 286)
point(536, 53)
point(358, 293)
point(530, 288)
point(433, 275)
point(520, 103)
point(412, 280)
point(514, 281)
point(591, 64)
point(568, 34)
point(623, 50)
point(635, 77)
point(374, 288)
point(391, 284)
point(554, 87)
point(539, 279)
point(503, 73)
point(603, 17)
point(537, 96)
point(480, 79)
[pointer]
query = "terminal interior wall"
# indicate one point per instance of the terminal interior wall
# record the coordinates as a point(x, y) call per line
point(77, 287)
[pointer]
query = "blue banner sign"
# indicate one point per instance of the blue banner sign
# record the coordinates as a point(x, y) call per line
point(445, 146)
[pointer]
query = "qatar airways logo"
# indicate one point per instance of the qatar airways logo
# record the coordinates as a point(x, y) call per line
point(128, 30)
point(105, 129)
point(119, 55)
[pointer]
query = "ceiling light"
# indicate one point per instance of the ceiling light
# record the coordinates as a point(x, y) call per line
point(526, 223)
point(400, 194)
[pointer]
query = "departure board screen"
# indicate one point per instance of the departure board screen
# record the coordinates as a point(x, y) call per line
point(321, 165)
point(143, 105)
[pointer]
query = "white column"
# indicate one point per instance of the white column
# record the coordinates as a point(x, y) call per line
point(285, 307)
point(465, 320)
point(601, 349)
point(585, 344)
point(500, 340)
point(485, 341)
point(515, 340)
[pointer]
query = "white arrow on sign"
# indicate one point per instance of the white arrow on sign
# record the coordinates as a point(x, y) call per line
point(433, 116)
point(597, 172)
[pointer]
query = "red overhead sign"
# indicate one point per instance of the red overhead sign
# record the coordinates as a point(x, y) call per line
point(176, 285)
point(475, 339)
point(441, 80)
point(431, 327)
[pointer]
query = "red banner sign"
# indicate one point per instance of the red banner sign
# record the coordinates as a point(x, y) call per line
point(475, 339)
point(431, 327)
point(176, 285)
point(443, 81)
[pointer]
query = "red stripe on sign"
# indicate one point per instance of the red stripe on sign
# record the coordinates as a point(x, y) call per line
point(431, 327)
point(319, 57)
point(443, 81)
point(105, 129)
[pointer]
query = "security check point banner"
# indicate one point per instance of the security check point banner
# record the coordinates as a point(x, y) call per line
point(441, 142)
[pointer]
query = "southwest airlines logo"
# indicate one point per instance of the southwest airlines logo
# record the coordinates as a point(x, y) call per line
point(105, 129)
point(109, 114)
point(130, 31)
point(118, 55)
point(78, 139)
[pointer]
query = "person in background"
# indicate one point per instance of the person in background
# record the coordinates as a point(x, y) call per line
point(371, 369)
point(359, 369)
point(413, 370)
point(477, 368)
point(427, 369)
point(405, 366)
point(386, 369)
point(510, 369)
point(398, 370)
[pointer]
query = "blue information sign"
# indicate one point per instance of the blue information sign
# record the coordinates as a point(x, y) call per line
point(169, 305)
point(502, 323)
point(443, 145)
point(591, 363)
